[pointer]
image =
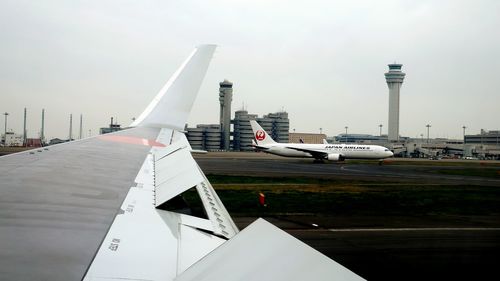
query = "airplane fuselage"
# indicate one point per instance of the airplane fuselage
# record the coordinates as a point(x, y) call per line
point(345, 151)
point(324, 151)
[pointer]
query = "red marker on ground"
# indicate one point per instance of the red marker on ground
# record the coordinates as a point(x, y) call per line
point(262, 199)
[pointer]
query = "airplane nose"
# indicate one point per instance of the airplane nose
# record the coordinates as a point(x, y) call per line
point(390, 153)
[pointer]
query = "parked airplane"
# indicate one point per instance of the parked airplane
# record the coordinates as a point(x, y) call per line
point(324, 151)
point(105, 208)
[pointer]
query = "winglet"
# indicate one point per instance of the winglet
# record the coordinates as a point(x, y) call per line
point(260, 134)
point(172, 105)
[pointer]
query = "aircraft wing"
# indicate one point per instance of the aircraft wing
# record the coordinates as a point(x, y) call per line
point(318, 154)
point(260, 148)
point(257, 147)
point(110, 208)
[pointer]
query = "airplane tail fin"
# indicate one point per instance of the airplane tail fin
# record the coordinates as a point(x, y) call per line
point(260, 135)
point(172, 105)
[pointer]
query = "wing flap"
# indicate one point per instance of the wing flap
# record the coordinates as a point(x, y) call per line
point(194, 245)
point(175, 174)
point(263, 251)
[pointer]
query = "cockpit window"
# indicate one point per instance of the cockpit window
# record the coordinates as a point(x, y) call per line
point(386, 149)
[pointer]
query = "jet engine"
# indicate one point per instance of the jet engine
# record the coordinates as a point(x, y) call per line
point(335, 157)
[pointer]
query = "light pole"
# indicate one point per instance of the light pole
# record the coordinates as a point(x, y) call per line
point(5, 130)
point(463, 151)
point(320, 130)
point(428, 126)
point(380, 126)
point(81, 127)
point(70, 127)
point(346, 133)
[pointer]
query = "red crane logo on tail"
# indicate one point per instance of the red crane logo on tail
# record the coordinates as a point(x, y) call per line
point(260, 135)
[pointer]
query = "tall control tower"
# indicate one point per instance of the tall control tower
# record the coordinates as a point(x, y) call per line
point(394, 79)
point(225, 98)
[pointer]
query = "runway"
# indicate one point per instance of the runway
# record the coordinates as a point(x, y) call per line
point(406, 248)
point(259, 164)
point(404, 253)
point(410, 255)
point(405, 229)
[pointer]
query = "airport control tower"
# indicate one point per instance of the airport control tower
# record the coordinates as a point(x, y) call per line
point(394, 79)
point(225, 99)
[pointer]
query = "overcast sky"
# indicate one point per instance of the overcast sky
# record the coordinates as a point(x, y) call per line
point(321, 61)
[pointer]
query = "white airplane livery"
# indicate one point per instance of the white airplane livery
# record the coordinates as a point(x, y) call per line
point(324, 151)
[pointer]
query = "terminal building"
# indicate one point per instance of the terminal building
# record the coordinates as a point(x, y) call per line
point(360, 138)
point(276, 125)
point(306, 138)
point(205, 137)
point(242, 133)
point(485, 138)
point(212, 137)
point(485, 145)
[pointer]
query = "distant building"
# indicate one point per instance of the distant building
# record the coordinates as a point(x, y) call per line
point(210, 136)
point(213, 137)
point(33, 142)
point(275, 124)
point(360, 138)
point(243, 134)
point(113, 127)
point(56, 141)
point(218, 136)
point(485, 137)
point(12, 139)
point(306, 138)
point(205, 137)
point(485, 145)
point(196, 138)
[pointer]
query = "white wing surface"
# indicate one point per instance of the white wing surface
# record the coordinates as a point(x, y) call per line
point(172, 105)
point(264, 252)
